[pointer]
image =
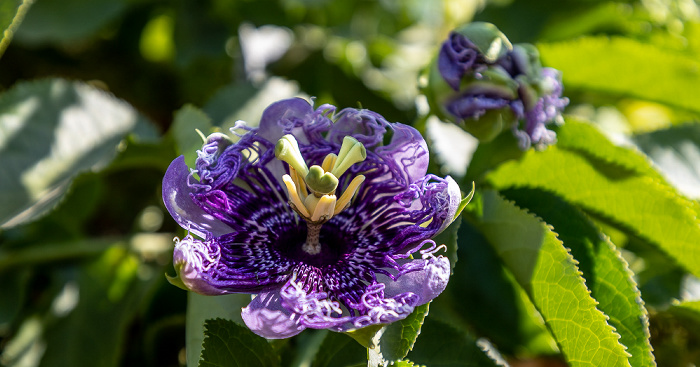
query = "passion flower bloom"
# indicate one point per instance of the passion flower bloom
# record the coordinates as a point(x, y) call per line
point(485, 85)
point(326, 218)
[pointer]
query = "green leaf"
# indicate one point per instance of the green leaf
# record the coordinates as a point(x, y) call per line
point(11, 14)
point(66, 21)
point(50, 131)
point(338, 350)
point(584, 137)
point(88, 323)
point(441, 345)
point(641, 204)
point(607, 274)
point(448, 237)
point(187, 120)
point(483, 296)
point(398, 337)
point(229, 344)
point(688, 310)
point(202, 308)
point(626, 67)
point(676, 152)
point(546, 270)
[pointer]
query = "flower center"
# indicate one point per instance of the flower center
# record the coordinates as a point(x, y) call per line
point(312, 191)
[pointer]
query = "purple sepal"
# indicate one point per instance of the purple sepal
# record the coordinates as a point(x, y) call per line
point(177, 194)
point(192, 258)
point(456, 58)
point(266, 317)
point(426, 283)
point(546, 110)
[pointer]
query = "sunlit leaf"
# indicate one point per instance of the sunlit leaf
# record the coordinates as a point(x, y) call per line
point(50, 131)
point(229, 344)
point(544, 267)
point(626, 67)
point(607, 274)
point(645, 206)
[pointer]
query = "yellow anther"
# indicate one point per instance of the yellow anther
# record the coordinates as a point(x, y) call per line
point(299, 183)
point(329, 162)
point(348, 194)
point(310, 203)
point(294, 196)
point(324, 208)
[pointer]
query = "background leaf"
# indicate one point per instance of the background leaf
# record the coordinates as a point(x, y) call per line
point(340, 350)
point(441, 345)
point(626, 67)
point(50, 131)
point(229, 344)
point(606, 273)
point(549, 274)
point(645, 206)
point(676, 152)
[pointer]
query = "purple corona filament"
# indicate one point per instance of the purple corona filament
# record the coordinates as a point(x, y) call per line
point(313, 254)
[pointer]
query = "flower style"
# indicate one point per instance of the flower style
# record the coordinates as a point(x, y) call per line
point(485, 85)
point(320, 215)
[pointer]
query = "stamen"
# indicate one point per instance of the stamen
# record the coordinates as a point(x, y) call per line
point(351, 152)
point(348, 194)
point(299, 182)
point(329, 162)
point(324, 208)
point(294, 196)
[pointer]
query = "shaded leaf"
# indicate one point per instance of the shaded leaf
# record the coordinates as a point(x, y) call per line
point(483, 296)
point(398, 337)
point(676, 152)
point(64, 21)
point(441, 345)
point(546, 270)
point(202, 308)
point(187, 120)
point(50, 131)
point(229, 344)
point(95, 307)
point(340, 350)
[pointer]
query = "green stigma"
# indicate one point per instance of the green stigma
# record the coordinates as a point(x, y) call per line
point(351, 152)
point(287, 150)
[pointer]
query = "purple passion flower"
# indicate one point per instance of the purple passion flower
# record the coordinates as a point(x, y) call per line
point(326, 218)
point(486, 85)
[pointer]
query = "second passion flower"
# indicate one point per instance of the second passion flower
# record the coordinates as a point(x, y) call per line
point(484, 84)
point(325, 217)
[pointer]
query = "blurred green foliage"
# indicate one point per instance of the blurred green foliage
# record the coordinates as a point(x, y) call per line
point(85, 239)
